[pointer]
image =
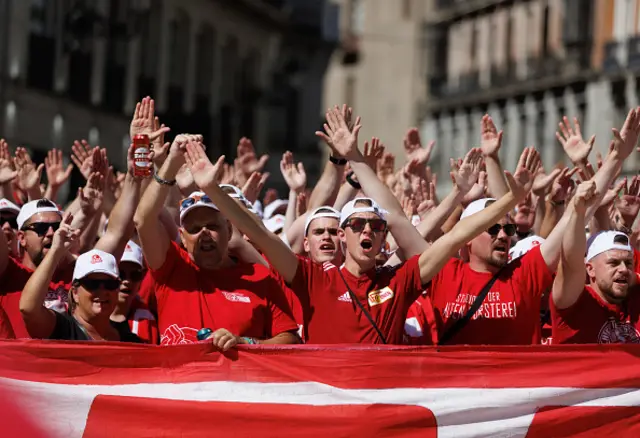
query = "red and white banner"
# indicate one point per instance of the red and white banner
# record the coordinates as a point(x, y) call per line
point(105, 390)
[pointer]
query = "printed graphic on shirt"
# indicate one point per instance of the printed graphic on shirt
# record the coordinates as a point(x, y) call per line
point(345, 297)
point(236, 297)
point(618, 332)
point(380, 296)
point(492, 308)
point(179, 335)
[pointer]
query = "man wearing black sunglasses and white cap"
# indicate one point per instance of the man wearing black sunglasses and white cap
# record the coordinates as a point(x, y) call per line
point(9, 222)
point(201, 286)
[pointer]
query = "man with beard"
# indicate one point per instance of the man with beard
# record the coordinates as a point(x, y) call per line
point(202, 286)
point(607, 309)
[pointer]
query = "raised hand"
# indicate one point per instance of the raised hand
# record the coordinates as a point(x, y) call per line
point(92, 194)
point(144, 121)
point(247, 161)
point(612, 194)
point(426, 198)
point(81, 155)
point(572, 142)
point(408, 204)
point(347, 113)
point(57, 175)
point(344, 140)
point(373, 154)
point(542, 182)
point(584, 197)
point(294, 175)
point(203, 171)
point(626, 139)
point(254, 185)
point(29, 174)
point(490, 138)
point(562, 185)
point(413, 147)
point(521, 181)
point(228, 174)
point(7, 169)
point(464, 175)
point(629, 203)
point(65, 236)
point(158, 145)
point(478, 191)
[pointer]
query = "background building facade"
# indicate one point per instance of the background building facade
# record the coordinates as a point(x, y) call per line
point(379, 68)
point(74, 69)
point(527, 63)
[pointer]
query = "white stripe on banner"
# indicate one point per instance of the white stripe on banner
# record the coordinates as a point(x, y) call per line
point(460, 412)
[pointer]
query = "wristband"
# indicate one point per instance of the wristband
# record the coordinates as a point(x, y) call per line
point(337, 161)
point(250, 341)
point(164, 182)
point(355, 184)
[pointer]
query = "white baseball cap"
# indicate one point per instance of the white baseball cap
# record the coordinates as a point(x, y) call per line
point(524, 246)
point(95, 262)
point(133, 253)
point(6, 205)
point(236, 193)
point(476, 207)
point(321, 212)
point(275, 223)
point(195, 200)
point(607, 240)
point(32, 208)
point(270, 209)
point(350, 209)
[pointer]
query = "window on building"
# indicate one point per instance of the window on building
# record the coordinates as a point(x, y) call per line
point(149, 28)
point(545, 50)
point(80, 21)
point(249, 91)
point(120, 14)
point(406, 9)
point(179, 56)
point(41, 57)
point(230, 70)
point(204, 71)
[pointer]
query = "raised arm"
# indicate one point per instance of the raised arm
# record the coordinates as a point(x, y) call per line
point(569, 281)
point(434, 258)
point(490, 143)
point(205, 174)
point(39, 320)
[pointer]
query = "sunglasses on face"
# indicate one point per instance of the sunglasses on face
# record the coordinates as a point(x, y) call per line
point(12, 221)
point(358, 224)
point(195, 229)
point(509, 229)
point(133, 276)
point(188, 202)
point(321, 231)
point(93, 284)
point(41, 228)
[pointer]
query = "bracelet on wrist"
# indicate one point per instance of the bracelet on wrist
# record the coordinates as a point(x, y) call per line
point(250, 341)
point(338, 161)
point(163, 182)
point(355, 184)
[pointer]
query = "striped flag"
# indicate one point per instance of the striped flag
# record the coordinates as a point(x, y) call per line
point(77, 390)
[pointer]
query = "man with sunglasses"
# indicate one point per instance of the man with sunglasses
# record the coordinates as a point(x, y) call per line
point(9, 222)
point(201, 286)
point(130, 310)
point(607, 309)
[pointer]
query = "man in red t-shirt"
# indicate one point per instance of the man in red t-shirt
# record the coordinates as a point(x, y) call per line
point(345, 299)
point(201, 286)
point(607, 309)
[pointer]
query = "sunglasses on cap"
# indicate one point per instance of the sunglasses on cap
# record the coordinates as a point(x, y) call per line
point(41, 228)
point(509, 229)
point(357, 224)
point(93, 284)
point(133, 276)
point(188, 202)
point(12, 221)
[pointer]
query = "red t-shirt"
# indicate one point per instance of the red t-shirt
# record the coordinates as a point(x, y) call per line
point(420, 327)
point(13, 280)
point(592, 320)
point(6, 331)
point(510, 313)
point(386, 293)
point(142, 322)
point(244, 299)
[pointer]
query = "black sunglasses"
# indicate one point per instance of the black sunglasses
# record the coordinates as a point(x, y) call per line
point(134, 276)
point(93, 284)
point(509, 229)
point(41, 228)
point(357, 224)
point(12, 221)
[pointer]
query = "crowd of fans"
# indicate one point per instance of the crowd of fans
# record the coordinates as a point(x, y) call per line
point(369, 255)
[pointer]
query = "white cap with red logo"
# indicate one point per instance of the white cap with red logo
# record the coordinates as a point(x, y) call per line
point(476, 207)
point(133, 253)
point(32, 208)
point(95, 262)
point(6, 205)
point(606, 241)
point(274, 223)
point(524, 246)
point(271, 209)
point(350, 209)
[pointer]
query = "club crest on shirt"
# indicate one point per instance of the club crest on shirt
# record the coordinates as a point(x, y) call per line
point(380, 296)
point(236, 297)
point(617, 332)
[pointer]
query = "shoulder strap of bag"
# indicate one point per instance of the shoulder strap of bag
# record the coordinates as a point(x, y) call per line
point(460, 323)
point(359, 304)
